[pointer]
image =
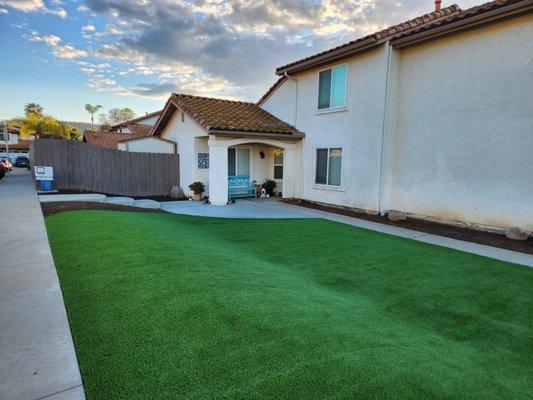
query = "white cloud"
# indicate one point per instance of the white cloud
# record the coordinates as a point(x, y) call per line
point(60, 51)
point(60, 12)
point(34, 6)
point(3, 11)
point(88, 28)
point(68, 52)
point(24, 5)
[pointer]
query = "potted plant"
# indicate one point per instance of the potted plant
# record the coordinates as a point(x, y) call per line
point(269, 186)
point(197, 188)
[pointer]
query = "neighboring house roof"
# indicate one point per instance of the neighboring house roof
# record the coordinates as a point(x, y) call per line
point(10, 128)
point(21, 145)
point(218, 116)
point(469, 18)
point(108, 139)
point(137, 120)
point(271, 90)
point(365, 42)
point(140, 129)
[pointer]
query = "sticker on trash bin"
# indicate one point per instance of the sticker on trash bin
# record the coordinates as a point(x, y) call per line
point(44, 173)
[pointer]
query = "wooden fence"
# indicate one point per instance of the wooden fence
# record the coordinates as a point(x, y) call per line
point(84, 166)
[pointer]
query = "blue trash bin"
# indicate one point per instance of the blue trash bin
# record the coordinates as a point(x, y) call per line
point(46, 186)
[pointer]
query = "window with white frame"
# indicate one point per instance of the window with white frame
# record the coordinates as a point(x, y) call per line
point(328, 166)
point(332, 87)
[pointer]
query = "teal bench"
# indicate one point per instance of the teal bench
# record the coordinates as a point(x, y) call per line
point(239, 186)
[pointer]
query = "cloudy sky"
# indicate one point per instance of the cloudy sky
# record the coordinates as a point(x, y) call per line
point(117, 53)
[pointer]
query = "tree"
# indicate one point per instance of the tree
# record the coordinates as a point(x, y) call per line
point(92, 110)
point(119, 115)
point(71, 132)
point(33, 109)
point(105, 125)
point(44, 126)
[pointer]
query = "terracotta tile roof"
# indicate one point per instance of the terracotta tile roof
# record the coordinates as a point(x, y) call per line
point(493, 7)
point(225, 116)
point(140, 130)
point(106, 139)
point(271, 90)
point(375, 38)
point(21, 145)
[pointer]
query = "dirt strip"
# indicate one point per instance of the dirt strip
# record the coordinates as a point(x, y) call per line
point(435, 228)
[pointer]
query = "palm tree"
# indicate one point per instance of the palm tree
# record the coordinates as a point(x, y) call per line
point(92, 110)
point(33, 108)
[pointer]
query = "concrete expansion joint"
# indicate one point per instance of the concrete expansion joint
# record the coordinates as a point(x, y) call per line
point(59, 392)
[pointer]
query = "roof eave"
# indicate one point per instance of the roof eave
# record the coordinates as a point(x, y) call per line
point(333, 56)
point(294, 135)
point(467, 23)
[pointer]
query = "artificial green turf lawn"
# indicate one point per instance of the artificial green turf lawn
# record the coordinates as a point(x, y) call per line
point(174, 307)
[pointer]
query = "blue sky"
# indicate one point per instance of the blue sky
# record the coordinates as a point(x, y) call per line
point(133, 53)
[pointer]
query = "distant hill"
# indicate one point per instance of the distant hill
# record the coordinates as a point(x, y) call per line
point(82, 126)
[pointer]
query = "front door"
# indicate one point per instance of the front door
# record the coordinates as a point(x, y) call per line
point(238, 161)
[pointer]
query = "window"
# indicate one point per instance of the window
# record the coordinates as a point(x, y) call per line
point(238, 161)
point(278, 164)
point(332, 87)
point(328, 166)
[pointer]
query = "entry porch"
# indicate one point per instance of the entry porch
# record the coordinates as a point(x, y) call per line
point(238, 165)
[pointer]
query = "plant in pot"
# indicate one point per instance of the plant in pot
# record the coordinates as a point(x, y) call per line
point(197, 188)
point(269, 186)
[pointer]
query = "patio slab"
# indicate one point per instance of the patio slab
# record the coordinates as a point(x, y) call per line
point(240, 209)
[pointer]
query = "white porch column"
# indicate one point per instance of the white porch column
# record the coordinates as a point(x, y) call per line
point(291, 172)
point(218, 172)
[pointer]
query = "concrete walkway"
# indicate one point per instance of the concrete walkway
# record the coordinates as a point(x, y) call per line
point(270, 208)
point(37, 357)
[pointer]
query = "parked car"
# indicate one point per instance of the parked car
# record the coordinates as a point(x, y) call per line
point(7, 164)
point(2, 171)
point(22, 161)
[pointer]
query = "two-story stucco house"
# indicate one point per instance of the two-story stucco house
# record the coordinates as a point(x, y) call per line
point(432, 117)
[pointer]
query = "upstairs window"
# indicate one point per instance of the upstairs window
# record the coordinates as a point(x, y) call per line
point(332, 87)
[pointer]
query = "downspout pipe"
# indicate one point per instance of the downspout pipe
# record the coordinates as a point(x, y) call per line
point(381, 209)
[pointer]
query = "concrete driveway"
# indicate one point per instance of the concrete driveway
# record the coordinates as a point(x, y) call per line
point(37, 357)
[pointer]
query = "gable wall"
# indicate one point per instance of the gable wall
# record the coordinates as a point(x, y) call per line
point(186, 135)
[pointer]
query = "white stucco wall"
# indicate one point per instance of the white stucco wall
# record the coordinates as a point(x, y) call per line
point(464, 134)
point(185, 134)
point(282, 103)
point(147, 145)
point(148, 121)
point(357, 129)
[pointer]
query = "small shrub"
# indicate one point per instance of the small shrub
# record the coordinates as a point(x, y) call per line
point(269, 186)
point(197, 187)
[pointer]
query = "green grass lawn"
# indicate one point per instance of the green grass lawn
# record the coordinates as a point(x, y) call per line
point(174, 307)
